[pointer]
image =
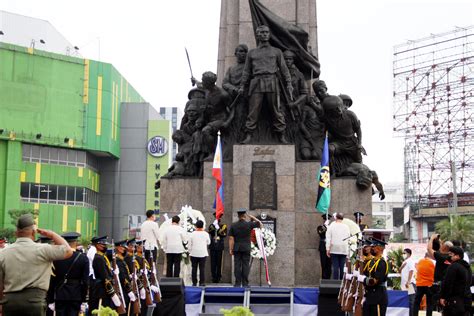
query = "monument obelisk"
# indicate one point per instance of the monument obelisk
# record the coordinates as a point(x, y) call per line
point(267, 178)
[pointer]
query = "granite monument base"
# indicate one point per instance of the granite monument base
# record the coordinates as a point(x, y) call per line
point(267, 179)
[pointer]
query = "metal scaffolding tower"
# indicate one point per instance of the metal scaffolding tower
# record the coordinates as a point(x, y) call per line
point(433, 109)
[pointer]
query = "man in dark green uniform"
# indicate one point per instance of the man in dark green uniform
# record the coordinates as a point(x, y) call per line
point(239, 246)
point(376, 299)
point(25, 269)
point(70, 280)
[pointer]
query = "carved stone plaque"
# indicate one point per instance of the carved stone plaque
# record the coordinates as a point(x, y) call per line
point(263, 186)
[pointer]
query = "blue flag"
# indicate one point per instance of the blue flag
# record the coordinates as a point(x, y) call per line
point(324, 184)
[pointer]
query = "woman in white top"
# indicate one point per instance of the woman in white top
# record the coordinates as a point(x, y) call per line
point(198, 243)
point(337, 240)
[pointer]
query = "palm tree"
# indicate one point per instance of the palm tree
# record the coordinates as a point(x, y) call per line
point(462, 229)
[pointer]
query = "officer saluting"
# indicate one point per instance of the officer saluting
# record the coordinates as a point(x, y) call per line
point(325, 260)
point(70, 280)
point(376, 299)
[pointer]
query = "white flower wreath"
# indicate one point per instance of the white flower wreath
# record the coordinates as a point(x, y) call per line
point(269, 241)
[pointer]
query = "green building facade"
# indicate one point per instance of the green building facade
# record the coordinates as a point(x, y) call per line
point(59, 116)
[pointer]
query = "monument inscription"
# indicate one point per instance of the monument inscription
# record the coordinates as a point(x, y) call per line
point(263, 186)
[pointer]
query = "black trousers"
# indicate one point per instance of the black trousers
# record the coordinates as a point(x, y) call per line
point(241, 268)
point(67, 308)
point(201, 262)
point(374, 310)
point(216, 265)
point(173, 265)
point(325, 261)
point(420, 292)
point(154, 254)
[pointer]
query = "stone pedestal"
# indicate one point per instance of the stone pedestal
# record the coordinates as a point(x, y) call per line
point(296, 260)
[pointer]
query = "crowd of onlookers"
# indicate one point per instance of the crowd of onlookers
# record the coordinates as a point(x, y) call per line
point(443, 277)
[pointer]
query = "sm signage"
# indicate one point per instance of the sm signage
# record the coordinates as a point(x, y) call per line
point(157, 146)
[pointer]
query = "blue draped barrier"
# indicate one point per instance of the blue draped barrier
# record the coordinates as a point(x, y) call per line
point(305, 300)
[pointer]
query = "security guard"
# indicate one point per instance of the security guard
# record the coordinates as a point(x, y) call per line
point(376, 299)
point(358, 217)
point(325, 260)
point(70, 280)
point(101, 289)
point(216, 248)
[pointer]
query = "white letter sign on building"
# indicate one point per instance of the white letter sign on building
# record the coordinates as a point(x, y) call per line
point(157, 146)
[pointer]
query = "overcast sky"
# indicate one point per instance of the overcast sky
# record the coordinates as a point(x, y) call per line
point(145, 41)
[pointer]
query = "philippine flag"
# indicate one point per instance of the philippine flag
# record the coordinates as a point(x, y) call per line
point(218, 174)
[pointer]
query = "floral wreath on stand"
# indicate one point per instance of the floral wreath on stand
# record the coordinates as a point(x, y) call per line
point(189, 217)
point(269, 241)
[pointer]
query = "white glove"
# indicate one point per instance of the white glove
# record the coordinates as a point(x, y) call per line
point(154, 271)
point(84, 307)
point(361, 278)
point(142, 294)
point(117, 271)
point(346, 270)
point(116, 300)
point(356, 273)
point(154, 289)
point(132, 296)
point(348, 276)
point(51, 306)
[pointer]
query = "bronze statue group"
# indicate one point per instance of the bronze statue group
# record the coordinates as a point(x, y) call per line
point(264, 99)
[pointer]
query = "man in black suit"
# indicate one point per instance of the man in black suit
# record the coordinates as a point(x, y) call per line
point(239, 246)
point(70, 280)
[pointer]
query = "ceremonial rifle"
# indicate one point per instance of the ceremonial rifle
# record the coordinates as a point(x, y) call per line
point(136, 303)
point(360, 285)
point(116, 283)
point(344, 284)
point(146, 284)
point(154, 280)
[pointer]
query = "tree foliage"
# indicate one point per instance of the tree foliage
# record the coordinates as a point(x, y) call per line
point(15, 214)
point(462, 229)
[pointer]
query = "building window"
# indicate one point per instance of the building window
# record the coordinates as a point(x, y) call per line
point(58, 156)
point(162, 111)
point(175, 110)
point(58, 194)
